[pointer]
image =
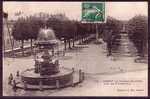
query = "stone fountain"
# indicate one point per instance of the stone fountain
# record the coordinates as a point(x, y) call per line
point(46, 73)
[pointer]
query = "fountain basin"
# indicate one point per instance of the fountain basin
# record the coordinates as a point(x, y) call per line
point(64, 77)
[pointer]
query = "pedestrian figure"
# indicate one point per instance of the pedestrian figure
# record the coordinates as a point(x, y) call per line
point(14, 86)
point(10, 78)
point(80, 75)
point(73, 70)
point(17, 74)
point(109, 43)
point(36, 66)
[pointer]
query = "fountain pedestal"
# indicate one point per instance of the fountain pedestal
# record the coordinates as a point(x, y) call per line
point(46, 72)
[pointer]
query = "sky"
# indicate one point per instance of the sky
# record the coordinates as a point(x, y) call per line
point(118, 10)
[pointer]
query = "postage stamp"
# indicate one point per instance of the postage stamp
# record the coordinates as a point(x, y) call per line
point(93, 12)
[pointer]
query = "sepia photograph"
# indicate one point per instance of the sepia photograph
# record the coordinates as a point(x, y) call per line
point(75, 48)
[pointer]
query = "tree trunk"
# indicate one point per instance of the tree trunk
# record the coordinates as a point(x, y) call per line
point(73, 41)
point(31, 46)
point(22, 47)
point(82, 39)
point(69, 44)
point(65, 44)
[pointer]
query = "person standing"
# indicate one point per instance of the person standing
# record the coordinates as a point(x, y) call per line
point(10, 79)
point(14, 86)
point(109, 42)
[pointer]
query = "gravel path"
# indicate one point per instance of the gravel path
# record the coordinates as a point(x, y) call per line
point(98, 68)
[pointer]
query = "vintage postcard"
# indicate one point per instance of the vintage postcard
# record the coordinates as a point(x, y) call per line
point(75, 48)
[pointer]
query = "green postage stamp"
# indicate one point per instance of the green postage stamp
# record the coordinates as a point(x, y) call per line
point(93, 12)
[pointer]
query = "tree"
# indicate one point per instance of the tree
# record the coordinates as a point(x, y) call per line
point(34, 25)
point(19, 31)
point(74, 31)
point(69, 31)
point(138, 33)
point(81, 29)
point(25, 29)
point(111, 33)
point(63, 28)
